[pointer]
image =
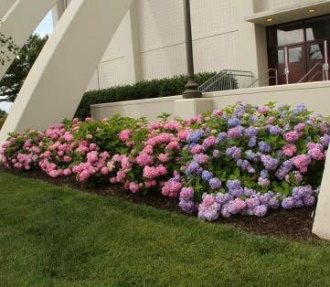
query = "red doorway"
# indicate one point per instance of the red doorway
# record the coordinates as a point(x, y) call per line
point(297, 50)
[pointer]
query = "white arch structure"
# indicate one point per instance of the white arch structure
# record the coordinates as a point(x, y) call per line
point(5, 6)
point(20, 21)
point(65, 66)
point(60, 76)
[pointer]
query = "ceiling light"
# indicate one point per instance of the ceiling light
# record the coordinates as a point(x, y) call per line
point(311, 10)
point(269, 19)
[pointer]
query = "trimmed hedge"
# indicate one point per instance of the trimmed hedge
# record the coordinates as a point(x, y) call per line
point(141, 90)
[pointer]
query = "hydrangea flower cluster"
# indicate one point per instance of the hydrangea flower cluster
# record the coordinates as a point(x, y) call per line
point(243, 159)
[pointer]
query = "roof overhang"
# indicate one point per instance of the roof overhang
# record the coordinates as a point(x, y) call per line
point(290, 13)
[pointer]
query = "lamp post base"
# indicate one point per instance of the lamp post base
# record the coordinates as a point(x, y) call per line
point(191, 90)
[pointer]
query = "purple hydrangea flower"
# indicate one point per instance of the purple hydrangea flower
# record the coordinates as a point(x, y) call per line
point(263, 182)
point(251, 132)
point(269, 162)
point(233, 184)
point(260, 210)
point(252, 202)
point(288, 203)
point(224, 211)
point(284, 169)
point(233, 122)
point(192, 168)
point(187, 206)
point(325, 140)
point(221, 136)
point(309, 200)
point(215, 183)
point(234, 152)
point(252, 142)
point(245, 165)
point(264, 173)
point(206, 175)
point(201, 158)
point(209, 209)
point(195, 136)
point(274, 203)
point(264, 147)
point(275, 130)
point(235, 132)
point(240, 111)
point(249, 192)
point(299, 109)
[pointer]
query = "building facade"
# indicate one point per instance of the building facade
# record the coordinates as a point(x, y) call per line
point(250, 35)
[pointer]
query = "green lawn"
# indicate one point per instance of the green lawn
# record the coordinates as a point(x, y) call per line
point(56, 236)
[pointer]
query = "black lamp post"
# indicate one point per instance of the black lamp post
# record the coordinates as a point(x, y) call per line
point(191, 88)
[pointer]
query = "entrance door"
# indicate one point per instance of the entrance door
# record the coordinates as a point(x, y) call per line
point(304, 43)
point(296, 63)
point(295, 56)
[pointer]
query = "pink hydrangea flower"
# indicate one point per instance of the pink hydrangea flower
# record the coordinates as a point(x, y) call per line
point(124, 135)
point(302, 162)
point(263, 109)
point(186, 193)
point(291, 136)
point(289, 150)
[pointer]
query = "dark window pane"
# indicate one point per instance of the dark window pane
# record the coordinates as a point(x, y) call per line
point(318, 29)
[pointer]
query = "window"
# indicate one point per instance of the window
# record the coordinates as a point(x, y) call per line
point(290, 34)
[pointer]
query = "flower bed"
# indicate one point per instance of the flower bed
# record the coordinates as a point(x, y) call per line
point(241, 160)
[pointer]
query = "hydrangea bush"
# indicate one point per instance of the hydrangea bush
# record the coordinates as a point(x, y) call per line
point(243, 159)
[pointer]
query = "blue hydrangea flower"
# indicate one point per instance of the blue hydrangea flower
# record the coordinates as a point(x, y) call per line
point(192, 168)
point(275, 130)
point(221, 136)
point(288, 203)
point(250, 132)
point(264, 147)
point(233, 184)
point(195, 136)
point(233, 152)
point(215, 183)
point(233, 122)
point(206, 175)
point(252, 142)
point(299, 109)
point(264, 173)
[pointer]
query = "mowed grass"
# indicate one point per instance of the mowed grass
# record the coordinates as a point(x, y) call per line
point(56, 236)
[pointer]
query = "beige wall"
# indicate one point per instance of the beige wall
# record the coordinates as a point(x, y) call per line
point(149, 108)
point(313, 95)
point(153, 31)
point(150, 41)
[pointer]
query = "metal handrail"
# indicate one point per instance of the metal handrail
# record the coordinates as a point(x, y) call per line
point(227, 79)
point(316, 74)
point(310, 71)
point(269, 77)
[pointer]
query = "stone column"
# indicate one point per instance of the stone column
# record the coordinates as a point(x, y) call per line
point(321, 225)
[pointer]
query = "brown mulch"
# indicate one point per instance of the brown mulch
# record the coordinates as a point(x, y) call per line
point(294, 224)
